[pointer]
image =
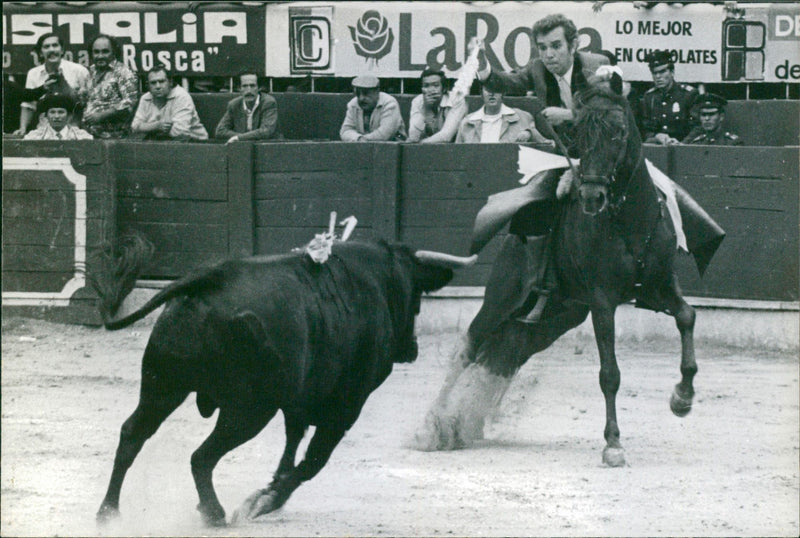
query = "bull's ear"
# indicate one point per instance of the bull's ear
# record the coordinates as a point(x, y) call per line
point(431, 277)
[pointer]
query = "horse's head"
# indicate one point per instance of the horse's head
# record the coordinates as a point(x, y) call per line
point(608, 145)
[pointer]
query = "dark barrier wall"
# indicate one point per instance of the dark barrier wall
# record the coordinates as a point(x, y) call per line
point(753, 194)
point(200, 203)
point(318, 116)
point(58, 213)
point(176, 194)
point(298, 185)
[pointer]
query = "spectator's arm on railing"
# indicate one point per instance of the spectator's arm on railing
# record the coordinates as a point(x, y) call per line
point(183, 116)
point(224, 130)
point(348, 131)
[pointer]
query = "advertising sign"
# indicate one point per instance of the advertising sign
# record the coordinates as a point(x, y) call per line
point(189, 38)
point(709, 42)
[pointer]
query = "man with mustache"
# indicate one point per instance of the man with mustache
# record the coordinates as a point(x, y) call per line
point(112, 92)
point(372, 116)
point(55, 74)
point(251, 116)
point(435, 114)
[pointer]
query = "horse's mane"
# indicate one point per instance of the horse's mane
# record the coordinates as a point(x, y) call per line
point(594, 122)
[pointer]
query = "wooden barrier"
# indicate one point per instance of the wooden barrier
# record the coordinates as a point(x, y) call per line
point(318, 116)
point(58, 211)
point(298, 185)
point(201, 203)
point(753, 194)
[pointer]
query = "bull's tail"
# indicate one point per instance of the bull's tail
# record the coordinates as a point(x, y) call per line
point(185, 286)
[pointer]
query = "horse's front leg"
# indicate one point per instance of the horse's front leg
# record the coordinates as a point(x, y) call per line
point(603, 322)
point(682, 395)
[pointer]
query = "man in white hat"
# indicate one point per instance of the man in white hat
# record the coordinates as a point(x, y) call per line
point(372, 116)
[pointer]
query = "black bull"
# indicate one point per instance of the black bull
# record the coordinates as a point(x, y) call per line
point(257, 335)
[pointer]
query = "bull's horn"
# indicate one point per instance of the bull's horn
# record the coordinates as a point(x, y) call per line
point(445, 260)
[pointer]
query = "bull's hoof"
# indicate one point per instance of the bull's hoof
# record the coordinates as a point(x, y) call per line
point(680, 405)
point(212, 516)
point(261, 502)
point(614, 456)
point(107, 514)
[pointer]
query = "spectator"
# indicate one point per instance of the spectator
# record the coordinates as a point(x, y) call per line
point(251, 116)
point(665, 108)
point(496, 122)
point(555, 75)
point(167, 112)
point(112, 92)
point(710, 108)
point(435, 114)
point(57, 111)
point(55, 73)
point(372, 115)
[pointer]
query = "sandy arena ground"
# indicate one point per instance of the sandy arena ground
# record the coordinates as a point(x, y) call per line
point(729, 468)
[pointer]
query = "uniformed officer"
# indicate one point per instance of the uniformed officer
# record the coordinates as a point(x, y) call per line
point(666, 108)
point(710, 108)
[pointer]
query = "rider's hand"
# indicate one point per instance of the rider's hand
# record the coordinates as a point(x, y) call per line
point(485, 70)
point(557, 115)
point(524, 136)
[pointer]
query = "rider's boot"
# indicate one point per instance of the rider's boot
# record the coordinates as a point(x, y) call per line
point(540, 280)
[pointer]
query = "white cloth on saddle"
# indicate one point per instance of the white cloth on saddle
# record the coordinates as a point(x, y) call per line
point(533, 161)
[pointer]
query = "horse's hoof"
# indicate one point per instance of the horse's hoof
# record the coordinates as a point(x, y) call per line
point(212, 517)
point(680, 406)
point(437, 433)
point(107, 514)
point(614, 457)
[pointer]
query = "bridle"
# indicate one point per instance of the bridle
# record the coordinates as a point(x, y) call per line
point(609, 181)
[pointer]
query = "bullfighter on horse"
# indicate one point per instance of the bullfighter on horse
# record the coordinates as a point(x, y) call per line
point(559, 71)
point(524, 288)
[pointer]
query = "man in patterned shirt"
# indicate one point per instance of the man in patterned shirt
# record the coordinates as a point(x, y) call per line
point(112, 92)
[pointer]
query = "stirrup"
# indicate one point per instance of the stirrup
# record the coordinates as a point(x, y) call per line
point(536, 314)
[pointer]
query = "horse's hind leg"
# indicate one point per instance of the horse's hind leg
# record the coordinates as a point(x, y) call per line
point(681, 399)
point(603, 323)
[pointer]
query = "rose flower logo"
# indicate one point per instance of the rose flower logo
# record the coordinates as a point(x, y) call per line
point(372, 37)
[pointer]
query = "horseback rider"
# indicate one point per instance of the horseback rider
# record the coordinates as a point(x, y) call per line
point(554, 76)
point(521, 290)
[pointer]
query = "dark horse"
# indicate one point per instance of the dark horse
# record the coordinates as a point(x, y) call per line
point(614, 242)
